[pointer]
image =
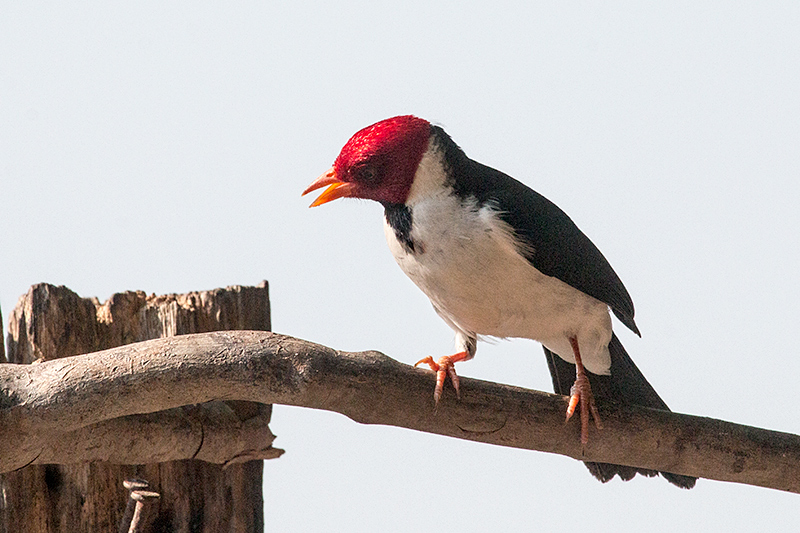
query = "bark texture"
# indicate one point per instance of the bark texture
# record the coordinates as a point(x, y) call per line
point(52, 322)
point(369, 387)
point(2, 345)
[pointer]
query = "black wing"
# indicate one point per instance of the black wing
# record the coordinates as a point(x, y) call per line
point(558, 248)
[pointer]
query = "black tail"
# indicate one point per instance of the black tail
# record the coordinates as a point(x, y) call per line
point(626, 384)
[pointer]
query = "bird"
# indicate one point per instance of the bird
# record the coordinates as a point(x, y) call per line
point(497, 260)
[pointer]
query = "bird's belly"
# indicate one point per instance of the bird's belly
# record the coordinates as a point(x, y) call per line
point(485, 287)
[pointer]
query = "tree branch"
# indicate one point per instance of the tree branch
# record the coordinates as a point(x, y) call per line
point(210, 432)
point(43, 403)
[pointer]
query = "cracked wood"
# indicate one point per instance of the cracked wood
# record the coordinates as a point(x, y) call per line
point(370, 388)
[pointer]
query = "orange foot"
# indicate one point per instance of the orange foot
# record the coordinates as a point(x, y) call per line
point(581, 392)
point(444, 367)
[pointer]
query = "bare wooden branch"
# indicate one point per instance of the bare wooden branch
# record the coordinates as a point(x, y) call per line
point(210, 432)
point(41, 403)
point(82, 491)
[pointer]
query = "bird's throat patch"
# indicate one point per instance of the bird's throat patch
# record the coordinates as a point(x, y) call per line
point(399, 218)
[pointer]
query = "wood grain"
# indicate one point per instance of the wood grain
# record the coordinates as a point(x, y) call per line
point(75, 482)
point(372, 388)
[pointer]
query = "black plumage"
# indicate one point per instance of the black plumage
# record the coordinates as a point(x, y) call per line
point(626, 384)
point(556, 247)
point(398, 216)
point(468, 235)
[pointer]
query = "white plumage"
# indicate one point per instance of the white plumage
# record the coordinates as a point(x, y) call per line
point(474, 240)
point(469, 263)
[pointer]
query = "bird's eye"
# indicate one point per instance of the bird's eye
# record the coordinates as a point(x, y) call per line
point(366, 174)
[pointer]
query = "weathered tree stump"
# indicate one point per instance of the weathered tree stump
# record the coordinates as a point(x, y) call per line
point(2, 336)
point(51, 322)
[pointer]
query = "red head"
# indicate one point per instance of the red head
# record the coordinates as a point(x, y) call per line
point(377, 163)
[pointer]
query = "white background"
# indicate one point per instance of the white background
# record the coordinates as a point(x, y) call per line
point(163, 146)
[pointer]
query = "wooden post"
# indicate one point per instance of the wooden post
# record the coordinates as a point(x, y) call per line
point(51, 322)
point(2, 337)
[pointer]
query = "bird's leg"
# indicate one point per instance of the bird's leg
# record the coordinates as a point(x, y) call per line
point(444, 367)
point(581, 392)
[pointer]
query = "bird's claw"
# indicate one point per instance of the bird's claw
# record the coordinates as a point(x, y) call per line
point(581, 392)
point(444, 367)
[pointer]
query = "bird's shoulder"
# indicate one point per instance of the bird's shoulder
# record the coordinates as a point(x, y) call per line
point(553, 243)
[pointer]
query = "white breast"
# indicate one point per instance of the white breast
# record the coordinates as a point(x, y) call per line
point(468, 263)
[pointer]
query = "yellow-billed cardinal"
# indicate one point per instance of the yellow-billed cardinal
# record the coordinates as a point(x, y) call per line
point(496, 259)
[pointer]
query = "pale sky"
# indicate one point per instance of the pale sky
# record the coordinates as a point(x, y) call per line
point(163, 147)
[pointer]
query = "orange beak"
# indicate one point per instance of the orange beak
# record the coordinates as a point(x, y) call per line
point(336, 188)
